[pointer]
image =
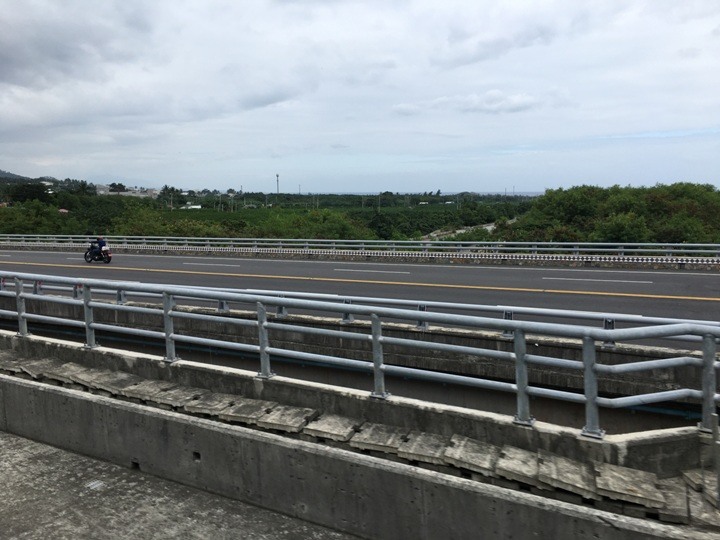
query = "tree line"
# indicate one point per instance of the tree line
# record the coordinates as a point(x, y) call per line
point(73, 207)
point(664, 213)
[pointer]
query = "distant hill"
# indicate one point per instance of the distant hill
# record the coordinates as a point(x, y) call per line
point(10, 177)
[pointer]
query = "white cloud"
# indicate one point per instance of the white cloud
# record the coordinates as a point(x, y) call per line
point(341, 94)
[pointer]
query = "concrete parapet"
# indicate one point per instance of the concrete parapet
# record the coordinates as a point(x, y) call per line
point(361, 494)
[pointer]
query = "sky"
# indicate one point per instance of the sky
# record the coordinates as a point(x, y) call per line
point(351, 96)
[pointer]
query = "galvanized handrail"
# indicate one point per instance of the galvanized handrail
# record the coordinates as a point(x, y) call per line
point(13, 285)
point(407, 248)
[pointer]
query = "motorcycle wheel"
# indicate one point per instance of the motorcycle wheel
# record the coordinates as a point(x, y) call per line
point(88, 256)
point(107, 259)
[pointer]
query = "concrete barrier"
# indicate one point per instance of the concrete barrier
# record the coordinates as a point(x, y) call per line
point(359, 494)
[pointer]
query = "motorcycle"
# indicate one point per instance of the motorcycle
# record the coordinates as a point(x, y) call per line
point(101, 255)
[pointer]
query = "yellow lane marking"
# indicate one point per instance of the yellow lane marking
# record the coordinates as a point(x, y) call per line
point(378, 282)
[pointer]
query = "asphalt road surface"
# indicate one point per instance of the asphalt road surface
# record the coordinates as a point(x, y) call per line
point(660, 293)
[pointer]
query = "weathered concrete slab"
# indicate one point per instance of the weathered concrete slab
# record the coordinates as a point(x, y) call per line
point(694, 479)
point(625, 484)
point(287, 418)
point(247, 411)
point(425, 447)
point(704, 482)
point(567, 474)
point(116, 381)
point(333, 427)
point(471, 454)
point(379, 437)
point(519, 465)
point(145, 390)
point(63, 372)
point(702, 513)
point(211, 404)
point(9, 363)
point(676, 508)
point(177, 397)
point(88, 377)
point(37, 368)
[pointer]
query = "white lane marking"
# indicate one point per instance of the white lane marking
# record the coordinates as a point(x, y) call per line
point(209, 264)
point(369, 271)
point(336, 269)
point(601, 280)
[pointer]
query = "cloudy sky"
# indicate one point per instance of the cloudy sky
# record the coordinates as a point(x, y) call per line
point(340, 96)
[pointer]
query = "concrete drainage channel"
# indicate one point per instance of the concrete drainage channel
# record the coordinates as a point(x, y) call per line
point(371, 479)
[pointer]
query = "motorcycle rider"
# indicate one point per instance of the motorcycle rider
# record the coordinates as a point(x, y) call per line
point(98, 245)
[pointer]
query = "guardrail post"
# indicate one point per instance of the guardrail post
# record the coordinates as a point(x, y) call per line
point(77, 291)
point(708, 382)
point(347, 317)
point(377, 349)
point(37, 287)
point(508, 316)
point(521, 381)
point(422, 325)
point(89, 318)
point(20, 302)
point(280, 310)
point(169, 327)
point(265, 371)
point(592, 420)
point(120, 297)
point(609, 324)
point(223, 306)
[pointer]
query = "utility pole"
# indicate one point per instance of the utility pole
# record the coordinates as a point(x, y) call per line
point(277, 176)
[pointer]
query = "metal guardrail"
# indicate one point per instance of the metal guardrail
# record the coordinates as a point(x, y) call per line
point(708, 253)
point(85, 293)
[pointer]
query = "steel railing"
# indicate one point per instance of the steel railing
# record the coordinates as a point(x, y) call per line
point(85, 294)
point(709, 253)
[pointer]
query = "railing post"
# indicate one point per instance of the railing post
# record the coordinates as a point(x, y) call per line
point(89, 318)
point(169, 327)
point(20, 302)
point(347, 317)
point(521, 381)
point(592, 420)
point(264, 341)
point(77, 291)
point(422, 325)
point(377, 349)
point(508, 316)
point(120, 297)
point(223, 306)
point(609, 324)
point(37, 287)
point(708, 382)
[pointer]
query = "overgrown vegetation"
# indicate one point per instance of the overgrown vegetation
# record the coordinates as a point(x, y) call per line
point(674, 213)
point(72, 207)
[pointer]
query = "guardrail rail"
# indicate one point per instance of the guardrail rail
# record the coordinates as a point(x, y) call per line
point(582, 251)
point(86, 292)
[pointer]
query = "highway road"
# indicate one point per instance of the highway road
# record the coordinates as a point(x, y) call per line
point(661, 293)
